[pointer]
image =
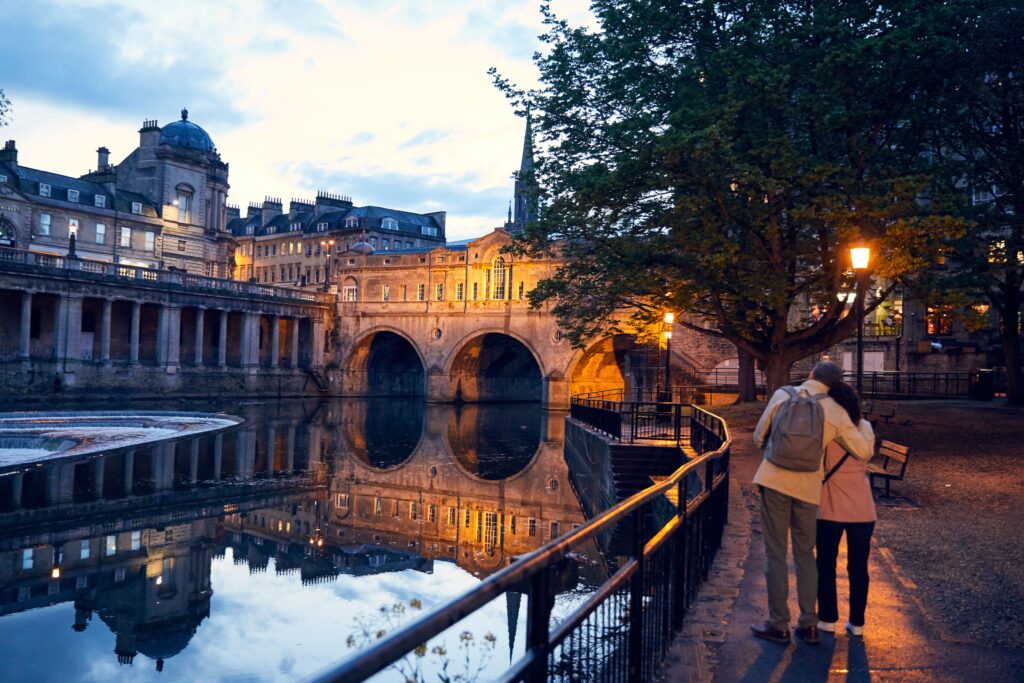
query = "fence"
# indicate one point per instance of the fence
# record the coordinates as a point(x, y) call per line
point(622, 630)
point(632, 421)
point(909, 385)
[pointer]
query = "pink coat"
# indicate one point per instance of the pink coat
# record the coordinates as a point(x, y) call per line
point(846, 496)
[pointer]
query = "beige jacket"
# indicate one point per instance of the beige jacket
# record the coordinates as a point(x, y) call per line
point(806, 486)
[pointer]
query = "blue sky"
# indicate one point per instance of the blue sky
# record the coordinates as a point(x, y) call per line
point(388, 101)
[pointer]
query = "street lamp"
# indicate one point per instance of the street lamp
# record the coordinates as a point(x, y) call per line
point(669, 319)
point(859, 259)
point(327, 245)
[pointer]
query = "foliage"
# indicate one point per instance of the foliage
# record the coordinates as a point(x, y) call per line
point(470, 657)
point(720, 158)
point(5, 108)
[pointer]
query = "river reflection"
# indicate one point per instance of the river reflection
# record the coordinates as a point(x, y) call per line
point(251, 553)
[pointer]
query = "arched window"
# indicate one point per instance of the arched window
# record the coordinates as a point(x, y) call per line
point(499, 277)
point(389, 224)
point(350, 290)
point(8, 236)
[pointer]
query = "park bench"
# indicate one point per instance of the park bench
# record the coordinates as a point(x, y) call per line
point(892, 465)
point(873, 412)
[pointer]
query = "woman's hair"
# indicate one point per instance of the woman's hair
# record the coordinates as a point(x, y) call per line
point(843, 394)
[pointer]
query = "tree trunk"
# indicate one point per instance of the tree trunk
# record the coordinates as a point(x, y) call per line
point(745, 379)
point(776, 372)
point(1011, 350)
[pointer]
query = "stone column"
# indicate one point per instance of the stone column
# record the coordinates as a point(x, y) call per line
point(555, 394)
point(295, 342)
point(60, 484)
point(250, 341)
point(60, 328)
point(133, 339)
point(193, 461)
point(163, 467)
point(99, 470)
point(317, 361)
point(271, 447)
point(246, 340)
point(200, 321)
point(172, 338)
point(289, 463)
point(105, 332)
point(25, 331)
point(222, 340)
point(275, 340)
point(129, 472)
point(17, 483)
point(218, 455)
point(161, 336)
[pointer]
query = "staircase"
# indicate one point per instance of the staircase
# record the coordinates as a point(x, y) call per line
point(322, 386)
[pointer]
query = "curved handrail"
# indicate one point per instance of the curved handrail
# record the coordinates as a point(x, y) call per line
point(385, 651)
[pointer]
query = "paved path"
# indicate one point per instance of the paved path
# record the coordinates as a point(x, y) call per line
point(902, 641)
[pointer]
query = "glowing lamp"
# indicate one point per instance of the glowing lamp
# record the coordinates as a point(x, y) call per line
point(55, 573)
point(859, 257)
point(670, 318)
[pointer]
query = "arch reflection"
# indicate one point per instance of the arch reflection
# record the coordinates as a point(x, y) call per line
point(495, 441)
point(382, 433)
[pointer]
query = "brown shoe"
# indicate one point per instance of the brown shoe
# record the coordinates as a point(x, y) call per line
point(809, 634)
point(769, 632)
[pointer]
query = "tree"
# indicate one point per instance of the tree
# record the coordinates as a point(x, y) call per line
point(5, 108)
point(720, 158)
point(979, 144)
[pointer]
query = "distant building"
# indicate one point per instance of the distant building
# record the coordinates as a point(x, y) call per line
point(163, 205)
point(525, 198)
point(275, 247)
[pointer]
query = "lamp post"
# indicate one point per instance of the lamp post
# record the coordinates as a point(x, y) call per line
point(327, 245)
point(669, 319)
point(859, 259)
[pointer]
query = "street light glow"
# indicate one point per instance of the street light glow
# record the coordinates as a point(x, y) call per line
point(670, 318)
point(860, 256)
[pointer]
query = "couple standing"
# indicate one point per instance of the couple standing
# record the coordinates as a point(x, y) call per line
point(813, 490)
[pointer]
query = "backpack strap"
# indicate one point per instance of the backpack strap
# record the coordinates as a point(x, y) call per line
point(836, 467)
point(791, 390)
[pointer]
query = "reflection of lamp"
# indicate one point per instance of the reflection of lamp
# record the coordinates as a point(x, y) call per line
point(57, 555)
point(860, 257)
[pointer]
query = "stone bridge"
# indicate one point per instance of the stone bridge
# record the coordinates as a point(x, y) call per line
point(453, 324)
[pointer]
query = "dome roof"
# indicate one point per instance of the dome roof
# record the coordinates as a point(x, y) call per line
point(184, 133)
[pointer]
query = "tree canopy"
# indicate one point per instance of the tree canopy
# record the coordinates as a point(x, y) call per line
point(720, 158)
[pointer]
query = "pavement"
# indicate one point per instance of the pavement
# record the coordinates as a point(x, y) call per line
point(902, 641)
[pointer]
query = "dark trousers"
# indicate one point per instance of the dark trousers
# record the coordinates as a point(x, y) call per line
point(858, 546)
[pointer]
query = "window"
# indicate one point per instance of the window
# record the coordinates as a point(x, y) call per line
point(408, 245)
point(428, 231)
point(532, 527)
point(44, 224)
point(352, 222)
point(439, 291)
point(101, 233)
point(467, 517)
point(373, 242)
point(73, 227)
point(27, 558)
point(321, 227)
point(522, 290)
point(341, 500)
point(421, 292)
point(73, 196)
point(350, 292)
point(512, 525)
point(432, 514)
point(451, 516)
point(83, 554)
point(296, 226)
point(44, 190)
point(309, 250)
point(413, 510)
point(111, 545)
point(389, 224)
point(981, 196)
point(81, 582)
point(385, 243)
point(99, 201)
point(126, 237)
point(554, 530)
point(136, 540)
point(150, 241)
point(136, 207)
point(458, 291)
point(386, 293)
point(181, 245)
point(273, 250)
point(487, 284)
point(499, 277)
point(184, 207)
point(490, 532)
point(939, 320)
point(119, 575)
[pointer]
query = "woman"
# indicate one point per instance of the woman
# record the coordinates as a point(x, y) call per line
point(846, 506)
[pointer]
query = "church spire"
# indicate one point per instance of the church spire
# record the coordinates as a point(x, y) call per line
point(525, 188)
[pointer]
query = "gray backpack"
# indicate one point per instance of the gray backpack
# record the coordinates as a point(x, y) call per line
point(797, 433)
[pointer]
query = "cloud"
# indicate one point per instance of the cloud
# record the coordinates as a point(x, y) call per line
point(425, 137)
point(361, 138)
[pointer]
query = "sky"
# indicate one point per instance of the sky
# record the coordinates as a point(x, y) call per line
point(386, 101)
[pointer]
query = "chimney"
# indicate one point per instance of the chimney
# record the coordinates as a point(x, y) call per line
point(10, 154)
point(272, 207)
point(102, 159)
point(149, 134)
point(233, 211)
point(299, 205)
point(325, 200)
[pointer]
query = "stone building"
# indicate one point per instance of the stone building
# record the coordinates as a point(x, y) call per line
point(162, 206)
point(297, 247)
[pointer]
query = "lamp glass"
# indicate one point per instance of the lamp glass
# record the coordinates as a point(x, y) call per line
point(860, 256)
point(670, 318)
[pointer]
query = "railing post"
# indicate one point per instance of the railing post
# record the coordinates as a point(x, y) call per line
point(538, 625)
point(636, 600)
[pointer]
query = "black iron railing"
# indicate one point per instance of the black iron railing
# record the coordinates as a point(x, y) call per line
point(622, 630)
point(632, 421)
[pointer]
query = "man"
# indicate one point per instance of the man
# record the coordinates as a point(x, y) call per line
point(789, 505)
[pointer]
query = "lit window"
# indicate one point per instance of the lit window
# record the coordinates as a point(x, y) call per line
point(428, 231)
point(499, 278)
point(389, 224)
point(136, 540)
point(27, 558)
point(73, 227)
point(150, 241)
point(476, 291)
point(111, 546)
point(44, 190)
point(101, 233)
point(126, 237)
point(385, 243)
point(432, 514)
point(466, 518)
point(184, 207)
point(44, 224)
point(73, 196)
point(421, 292)
point(459, 291)
point(84, 552)
point(451, 516)
point(350, 293)
point(414, 510)
point(136, 207)
point(100, 201)
point(296, 226)
point(439, 291)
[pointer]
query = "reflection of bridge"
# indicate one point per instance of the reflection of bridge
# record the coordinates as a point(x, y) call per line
point(453, 323)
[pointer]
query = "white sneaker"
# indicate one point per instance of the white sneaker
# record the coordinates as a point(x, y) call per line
point(827, 626)
point(852, 630)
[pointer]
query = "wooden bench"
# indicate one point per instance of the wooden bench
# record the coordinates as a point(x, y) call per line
point(873, 412)
point(893, 465)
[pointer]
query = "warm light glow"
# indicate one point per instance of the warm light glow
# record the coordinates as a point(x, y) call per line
point(159, 580)
point(320, 542)
point(860, 256)
point(55, 573)
point(670, 318)
point(668, 334)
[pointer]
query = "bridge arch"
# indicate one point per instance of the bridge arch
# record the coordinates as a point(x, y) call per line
point(494, 365)
point(384, 361)
point(603, 365)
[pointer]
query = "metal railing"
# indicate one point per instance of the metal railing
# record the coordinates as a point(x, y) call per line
point(120, 271)
point(622, 630)
point(909, 385)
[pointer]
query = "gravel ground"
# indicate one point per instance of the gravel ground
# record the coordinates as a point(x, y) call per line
point(956, 526)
